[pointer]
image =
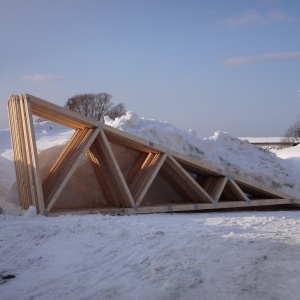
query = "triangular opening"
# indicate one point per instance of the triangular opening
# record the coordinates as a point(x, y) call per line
point(162, 192)
point(232, 192)
point(213, 185)
point(258, 193)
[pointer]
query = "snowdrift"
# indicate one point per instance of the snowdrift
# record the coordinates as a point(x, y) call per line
point(220, 150)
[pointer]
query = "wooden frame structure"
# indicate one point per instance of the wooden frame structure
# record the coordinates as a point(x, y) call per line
point(157, 180)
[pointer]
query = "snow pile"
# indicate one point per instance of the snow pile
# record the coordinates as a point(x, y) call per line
point(221, 151)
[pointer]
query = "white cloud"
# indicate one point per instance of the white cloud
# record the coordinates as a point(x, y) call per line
point(253, 17)
point(241, 60)
point(43, 78)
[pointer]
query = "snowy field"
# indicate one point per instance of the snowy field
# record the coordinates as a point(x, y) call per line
point(232, 255)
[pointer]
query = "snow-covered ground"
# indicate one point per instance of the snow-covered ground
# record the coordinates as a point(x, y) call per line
point(180, 256)
point(236, 255)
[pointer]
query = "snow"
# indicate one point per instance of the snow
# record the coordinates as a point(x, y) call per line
point(221, 150)
point(179, 256)
point(262, 139)
point(228, 255)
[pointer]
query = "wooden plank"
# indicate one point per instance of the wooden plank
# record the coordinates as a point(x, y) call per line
point(71, 167)
point(27, 141)
point(35, 162)
point(40, 106)
point(12, 125)
point(28, 165)
point(15, 145)
point(26, 193)
point(118, 137)
point(208, 206)
point(17, 150)
point(184, 181)
point(152, 168)
point(175, 208)
point(57, 119)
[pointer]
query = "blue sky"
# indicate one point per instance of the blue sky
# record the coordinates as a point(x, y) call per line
point(207, 65)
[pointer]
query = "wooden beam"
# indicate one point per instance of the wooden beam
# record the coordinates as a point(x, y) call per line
point(34, 159)
point(17, 146)
point(31, 155)
point(60, 115)
point(115, 136)
point(165, 208)
point(28, 198)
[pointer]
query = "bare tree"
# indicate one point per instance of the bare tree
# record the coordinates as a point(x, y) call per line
point(292, 134)
point(117, 111)
point(95, 106)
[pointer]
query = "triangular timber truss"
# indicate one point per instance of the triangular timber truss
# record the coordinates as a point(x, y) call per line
point(157, 180)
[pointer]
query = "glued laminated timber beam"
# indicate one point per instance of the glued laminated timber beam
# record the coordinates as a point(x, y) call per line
point(198, 185)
